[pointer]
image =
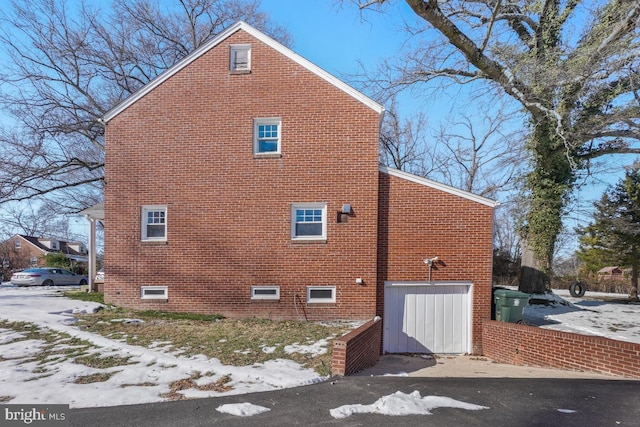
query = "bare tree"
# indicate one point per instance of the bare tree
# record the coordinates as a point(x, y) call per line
point(506, 253)
point(403, 144)
point(482, 152)
point(64, 67)
point(571, 65)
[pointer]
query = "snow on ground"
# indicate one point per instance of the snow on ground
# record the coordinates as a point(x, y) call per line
point(143, 381)
point(154, 369)
point(242, 409)
point(594, 314)
point(400, 403)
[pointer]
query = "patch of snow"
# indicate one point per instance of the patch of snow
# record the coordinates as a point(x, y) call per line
point(242, 409)
point(315, 348)
point(400, 403)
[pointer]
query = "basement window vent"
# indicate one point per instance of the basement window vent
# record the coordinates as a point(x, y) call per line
point(154, 292)
point(265, 292)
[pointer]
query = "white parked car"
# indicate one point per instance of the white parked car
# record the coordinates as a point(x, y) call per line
point(99, 279)
point(47, 276)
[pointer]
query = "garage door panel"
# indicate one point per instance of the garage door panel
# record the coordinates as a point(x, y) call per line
point(427, 318)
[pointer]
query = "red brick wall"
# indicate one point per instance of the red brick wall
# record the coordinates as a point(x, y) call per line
point(530, 346)
point(417, 222)
point(187, 144)
point(357, 350)
point(20, 258)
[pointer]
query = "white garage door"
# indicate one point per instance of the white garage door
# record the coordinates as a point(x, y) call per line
point(427, 318)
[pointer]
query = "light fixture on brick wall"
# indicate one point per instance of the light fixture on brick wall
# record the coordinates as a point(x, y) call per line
point(344, 213)
point(429, 262)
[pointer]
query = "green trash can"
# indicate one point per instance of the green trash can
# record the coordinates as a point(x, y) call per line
point(509, 305)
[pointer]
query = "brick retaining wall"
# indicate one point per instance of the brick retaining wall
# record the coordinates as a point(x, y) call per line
point(357, 350)
point(532, 346)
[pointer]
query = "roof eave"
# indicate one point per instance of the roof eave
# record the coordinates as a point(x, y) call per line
point(240, 25)
point(438, 186)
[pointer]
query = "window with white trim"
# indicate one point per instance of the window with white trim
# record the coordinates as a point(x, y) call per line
point(321, 294)
point(33, 261)
point(240, 57)
point(309, 221)
point(154, 292)
point(17, 244)
point(265, 292)
point(266, 135)
point(154, 223)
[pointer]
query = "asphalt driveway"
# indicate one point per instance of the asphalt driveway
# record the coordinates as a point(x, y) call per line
point(510, 402)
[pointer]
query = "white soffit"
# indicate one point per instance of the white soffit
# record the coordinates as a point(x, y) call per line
point(438, 186)
point(258, 35)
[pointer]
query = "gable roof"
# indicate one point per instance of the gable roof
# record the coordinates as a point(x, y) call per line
point(240, 25)
point(609, 270)
point(438, 186)
point(65, 247)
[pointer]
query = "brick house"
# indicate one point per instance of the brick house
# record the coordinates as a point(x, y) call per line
point(245, 181)
point(21, 251)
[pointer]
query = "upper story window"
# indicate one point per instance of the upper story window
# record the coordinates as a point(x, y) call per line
point(309, 221)
point(154, 223)
point(266, 135)
point(17, 244)
point(240, 58)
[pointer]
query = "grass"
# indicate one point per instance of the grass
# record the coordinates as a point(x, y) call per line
point(85, 296)
point(237, 342)
point(59, 347)
point(95, 378)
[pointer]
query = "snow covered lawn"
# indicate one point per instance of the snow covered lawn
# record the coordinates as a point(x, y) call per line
point(36, 364)
point(598, 314)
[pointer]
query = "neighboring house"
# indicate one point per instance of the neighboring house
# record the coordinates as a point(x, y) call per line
point(245, 181)
point(20, 252)
point(610, 273)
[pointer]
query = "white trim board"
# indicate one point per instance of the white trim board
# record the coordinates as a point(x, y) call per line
point(438, 186)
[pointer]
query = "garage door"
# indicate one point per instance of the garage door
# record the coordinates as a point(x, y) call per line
point(427, 318)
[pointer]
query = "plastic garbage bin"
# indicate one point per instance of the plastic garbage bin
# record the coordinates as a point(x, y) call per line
point(509, 305)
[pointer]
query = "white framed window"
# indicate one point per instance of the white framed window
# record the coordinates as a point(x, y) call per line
point(17, 244)
point(266, 135)
point(154, 292)
point(33, 261)
point(265, 292)
point(321, 294)
point(309, 221)
point(154, 223)
point(240, 57)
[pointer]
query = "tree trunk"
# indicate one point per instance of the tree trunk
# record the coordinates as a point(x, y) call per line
point(550, 181)
point(534, 278)
point(633, 294)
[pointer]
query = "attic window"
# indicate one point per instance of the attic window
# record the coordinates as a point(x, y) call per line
point(240, 58)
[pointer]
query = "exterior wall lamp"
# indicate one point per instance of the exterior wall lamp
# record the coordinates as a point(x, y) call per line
point(344, 213)
point(429, 262)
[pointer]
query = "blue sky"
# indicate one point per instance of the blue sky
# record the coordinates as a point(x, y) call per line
point(335, 37)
